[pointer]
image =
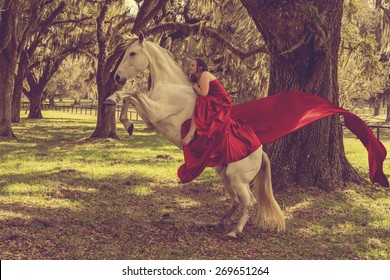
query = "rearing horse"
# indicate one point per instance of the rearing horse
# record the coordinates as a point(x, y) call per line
point(170, 102)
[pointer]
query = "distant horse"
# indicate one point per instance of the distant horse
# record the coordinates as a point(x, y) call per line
point(170, 102)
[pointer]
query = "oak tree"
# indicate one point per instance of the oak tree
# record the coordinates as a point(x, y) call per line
point(303, 39)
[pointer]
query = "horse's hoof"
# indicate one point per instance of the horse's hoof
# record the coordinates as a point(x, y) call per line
point(109, 102)
point(130, 129)
point(235, 236)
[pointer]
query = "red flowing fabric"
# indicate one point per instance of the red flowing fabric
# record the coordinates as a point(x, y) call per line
point(299, 109)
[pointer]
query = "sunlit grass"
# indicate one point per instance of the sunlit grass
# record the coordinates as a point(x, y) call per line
point(141, 190)
point(6, 214)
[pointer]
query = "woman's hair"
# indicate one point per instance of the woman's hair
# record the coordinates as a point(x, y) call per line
point(201, 65)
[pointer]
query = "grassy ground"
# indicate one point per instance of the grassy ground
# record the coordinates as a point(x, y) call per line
point(62, 197)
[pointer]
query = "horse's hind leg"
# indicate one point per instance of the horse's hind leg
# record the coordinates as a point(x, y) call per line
point(221, 171)
point(248, 201)
point(240, 174)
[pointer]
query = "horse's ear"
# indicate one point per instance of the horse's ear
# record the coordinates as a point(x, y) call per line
point(141, 37)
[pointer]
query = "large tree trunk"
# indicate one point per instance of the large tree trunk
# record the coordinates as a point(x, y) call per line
point(377, 108)
point(303, 38)
point(17, 101)
point(385, 28)
point(374, 103)
point(18, 88)
point(35, 106)
point(6, 88)
point(8, 61)
point(34, 96)
point(106, 121)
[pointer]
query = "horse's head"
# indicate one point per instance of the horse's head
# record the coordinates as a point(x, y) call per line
point(134, 61)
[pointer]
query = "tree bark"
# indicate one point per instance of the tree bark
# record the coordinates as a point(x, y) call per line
point(35, 106)
point(6, 88)
point(106, 123)
point(51, 101)
point(303, 39)
point(374, 103)
point(385, 28)
point(8, 61)
point(377, 108)
point(18, 88)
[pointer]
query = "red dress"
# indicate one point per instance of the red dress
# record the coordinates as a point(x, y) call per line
point(227, 133)
point(219, 139)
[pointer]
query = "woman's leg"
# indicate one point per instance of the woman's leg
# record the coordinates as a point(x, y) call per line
point(190, 135)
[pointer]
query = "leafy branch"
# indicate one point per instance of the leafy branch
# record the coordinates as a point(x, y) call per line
point(200, 29)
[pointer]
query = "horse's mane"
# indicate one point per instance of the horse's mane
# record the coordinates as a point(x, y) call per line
point(164, 56)
point(128, 40)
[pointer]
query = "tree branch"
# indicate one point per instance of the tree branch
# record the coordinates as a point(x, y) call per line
point(146, 13)
point(71, 21)
point(53, 15)
point(198, 28)
point(123, 23)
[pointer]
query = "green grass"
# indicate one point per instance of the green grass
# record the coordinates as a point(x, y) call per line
point(65, 197)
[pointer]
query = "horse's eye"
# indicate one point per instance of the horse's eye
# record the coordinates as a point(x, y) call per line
point(132, 54)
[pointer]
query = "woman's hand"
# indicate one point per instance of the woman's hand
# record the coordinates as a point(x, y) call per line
point(196, 87)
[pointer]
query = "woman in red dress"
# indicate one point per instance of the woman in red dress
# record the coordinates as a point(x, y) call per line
point(212, 137)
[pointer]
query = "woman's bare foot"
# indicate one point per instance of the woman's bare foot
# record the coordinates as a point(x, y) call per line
point(187, 139)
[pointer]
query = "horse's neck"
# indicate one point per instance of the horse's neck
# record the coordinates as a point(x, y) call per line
point(163, 68)
point(173, 93)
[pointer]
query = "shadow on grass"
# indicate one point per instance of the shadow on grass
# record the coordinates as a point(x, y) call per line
point(116, 222)
point(123, 215)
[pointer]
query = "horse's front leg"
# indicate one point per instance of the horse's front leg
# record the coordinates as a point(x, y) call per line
point(129, 126)
point(117, 97)
point(133, 100)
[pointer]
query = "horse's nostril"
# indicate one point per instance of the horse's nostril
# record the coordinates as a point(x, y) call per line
point(117, 78)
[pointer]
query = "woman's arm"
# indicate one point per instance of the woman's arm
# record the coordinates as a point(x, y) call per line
point(204, 83)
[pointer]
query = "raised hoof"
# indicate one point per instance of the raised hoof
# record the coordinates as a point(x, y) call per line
point(235, 236)
point(232, 234)
point(130, 129)
point(109, 102)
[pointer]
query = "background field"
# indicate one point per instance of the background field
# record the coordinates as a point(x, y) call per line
point(65, 197)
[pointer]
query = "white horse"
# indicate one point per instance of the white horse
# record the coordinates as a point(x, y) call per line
point(171, 101)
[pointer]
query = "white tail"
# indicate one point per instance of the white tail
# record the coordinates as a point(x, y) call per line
point(269, 214)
